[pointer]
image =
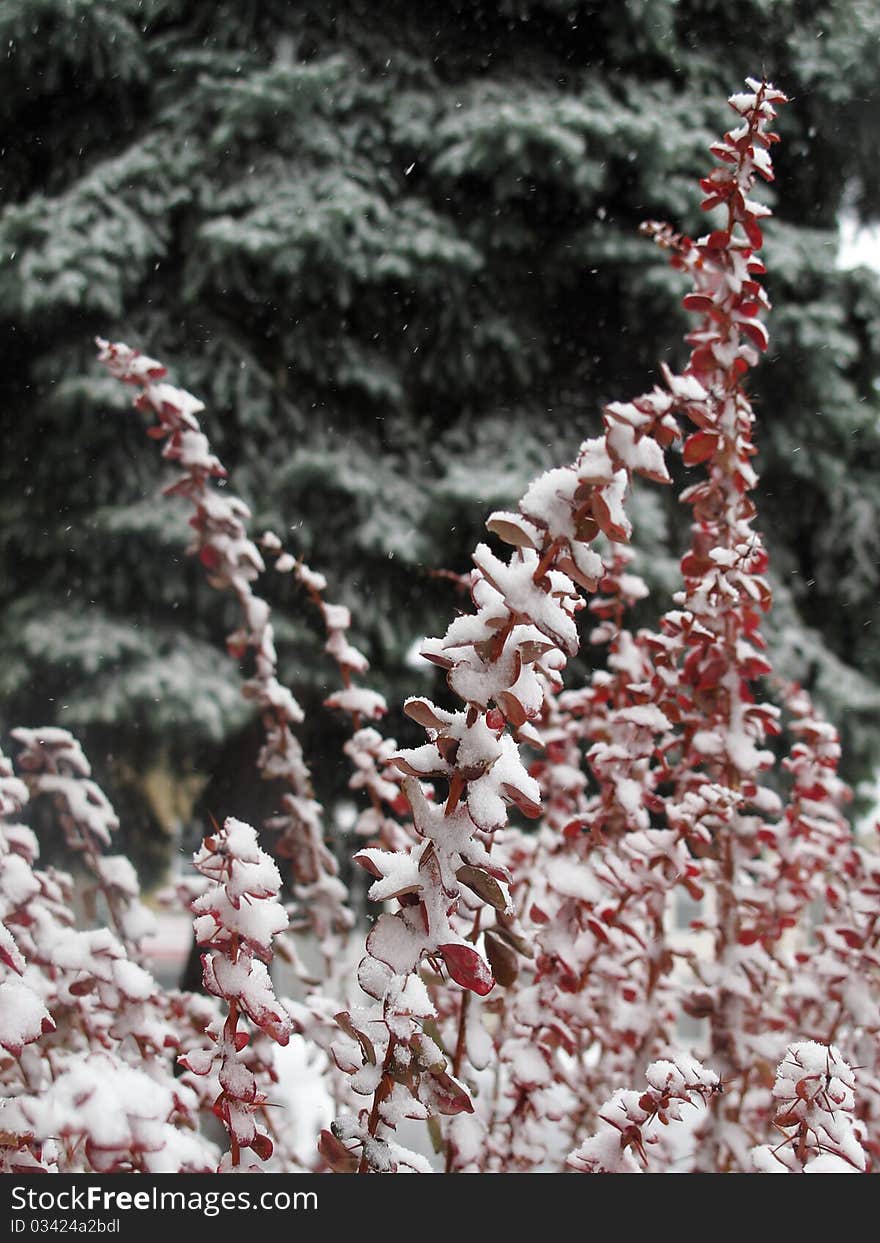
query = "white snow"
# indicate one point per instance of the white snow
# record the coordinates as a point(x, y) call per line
point(358, 700)
point(23, 1017)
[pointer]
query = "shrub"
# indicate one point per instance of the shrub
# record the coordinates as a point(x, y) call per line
point(527, 857)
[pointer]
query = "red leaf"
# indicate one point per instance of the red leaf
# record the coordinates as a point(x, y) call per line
point(753, 232)
point(80, 988)
point(344, 1019)
point(483, 885)
point(467, 968)
point(437, 658)
point(451, 1096)
point(755, 668)
point(335, 1153)
point(597, 930)
point(805, 1089)
point(711, 675)
point(614, 530)
point(423, 712)
point(528, 808)
point(697, 302)
point(512, 708)
point(694, 566)
point(262, 1146)
point(756, 332)
point(702, 359)
point(7, 959)
point(363, 860)
point(700, 447)
point(503, 960)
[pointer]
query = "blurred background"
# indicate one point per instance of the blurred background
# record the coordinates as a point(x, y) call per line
point(394, 247)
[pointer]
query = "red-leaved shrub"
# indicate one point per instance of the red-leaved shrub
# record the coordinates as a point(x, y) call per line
point(525, 860)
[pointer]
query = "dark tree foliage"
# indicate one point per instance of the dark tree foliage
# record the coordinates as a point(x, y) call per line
point(395, 249)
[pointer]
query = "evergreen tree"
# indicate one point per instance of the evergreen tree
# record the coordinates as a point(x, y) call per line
point(370, 242)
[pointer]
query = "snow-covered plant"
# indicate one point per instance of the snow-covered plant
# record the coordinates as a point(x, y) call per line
point(500, 661)
point(523, 974)
point(88, 1082)
point(237, 916)
point(55, 767)
point(359, 702)
point(590, 1009)
point(629, 1123)
point(814, 1090)
point(23, 1016)
point(451, 895)
point(233, 562)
